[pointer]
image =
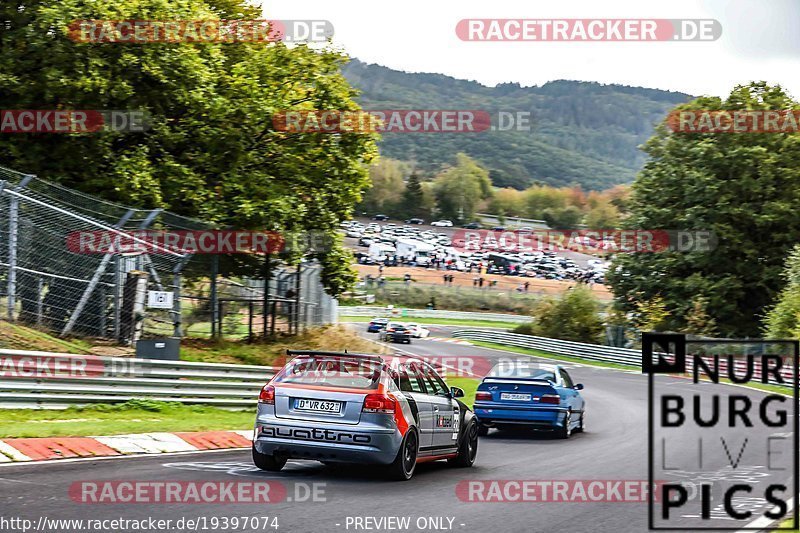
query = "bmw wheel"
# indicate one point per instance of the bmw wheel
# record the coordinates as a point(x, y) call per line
point(406, 461)
point(268, 462)
point(565, 431)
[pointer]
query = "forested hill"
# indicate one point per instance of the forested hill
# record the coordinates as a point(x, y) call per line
point(583, 132)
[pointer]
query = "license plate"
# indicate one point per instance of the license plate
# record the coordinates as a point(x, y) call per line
point(319, 406)
point(515, 397)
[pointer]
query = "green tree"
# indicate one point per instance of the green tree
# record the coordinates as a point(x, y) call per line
point(699, 321)
point(603, 216)
point(745, 189)
point(212, 150)
point(783, 319)
point(386, 187)
point(574, 317)
point(459, 189)
point(566, 218)
point(652, 315)
point(413, 203)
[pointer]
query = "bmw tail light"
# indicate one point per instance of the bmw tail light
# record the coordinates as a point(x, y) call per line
point(481, 396)
point(378, 403)
point(553, 399)
point(267, 395)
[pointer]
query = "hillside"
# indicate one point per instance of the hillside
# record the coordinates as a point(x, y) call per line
point(583, 132)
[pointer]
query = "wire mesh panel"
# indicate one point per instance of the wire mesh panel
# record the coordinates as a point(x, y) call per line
point(49, 279)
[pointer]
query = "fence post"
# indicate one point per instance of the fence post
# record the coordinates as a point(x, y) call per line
point(267, 275)
point(250, 322)
point(298, 275)
point(13, 234)
point(98, 273)
point(213, 296)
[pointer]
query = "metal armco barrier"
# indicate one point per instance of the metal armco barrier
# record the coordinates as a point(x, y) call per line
point(593, 352)
point(363, 310)
point(56, 381)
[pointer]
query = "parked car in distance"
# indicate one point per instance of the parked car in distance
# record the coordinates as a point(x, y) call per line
point(442, 224)
point(472, 225)
point(395, 332)
point(415, 221)
point(376, 324)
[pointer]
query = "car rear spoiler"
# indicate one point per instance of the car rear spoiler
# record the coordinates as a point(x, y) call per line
point(296, 353)
point(520, 381)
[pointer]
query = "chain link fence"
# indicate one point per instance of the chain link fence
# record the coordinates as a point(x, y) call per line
point(46, 284)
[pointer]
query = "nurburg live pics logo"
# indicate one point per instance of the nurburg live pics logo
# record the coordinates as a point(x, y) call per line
point(728, 454)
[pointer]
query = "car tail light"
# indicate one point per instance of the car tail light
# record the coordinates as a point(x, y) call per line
point(481, 396)
point(554, 399)
point(390, 329)
point(378, 403)
point(267, 395)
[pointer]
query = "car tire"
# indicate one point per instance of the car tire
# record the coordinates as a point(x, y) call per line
point(565, 431)
point(267, 462)
point(582, 425)
point(468, 449)
point(403, 466)
point(483, 430)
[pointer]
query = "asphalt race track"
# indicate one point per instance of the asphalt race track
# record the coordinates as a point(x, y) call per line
point(613, 448)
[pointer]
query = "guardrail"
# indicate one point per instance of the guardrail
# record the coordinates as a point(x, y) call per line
point(599, 353)
point(592, 352)
point(363, 310)
point(56, 380)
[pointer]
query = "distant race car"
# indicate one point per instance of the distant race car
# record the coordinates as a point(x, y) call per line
point(376, 324)
point(418, 331)
point(395, 332)
point(350, 408)
point(530, 394)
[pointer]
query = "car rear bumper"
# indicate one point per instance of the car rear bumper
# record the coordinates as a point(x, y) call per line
point(393, 337)
point(333, 443)
point(552, 417)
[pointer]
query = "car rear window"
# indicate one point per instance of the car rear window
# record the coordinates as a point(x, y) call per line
point(332, 372)
point(521, 372)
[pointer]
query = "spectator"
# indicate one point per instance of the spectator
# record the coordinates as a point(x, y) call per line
point(475, 281)
point(407, 279)
point(380, 269)
point(480, 282)
point(527, 285)
point(381, 282)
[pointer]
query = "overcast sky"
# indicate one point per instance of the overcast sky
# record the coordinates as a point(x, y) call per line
point(760, 41)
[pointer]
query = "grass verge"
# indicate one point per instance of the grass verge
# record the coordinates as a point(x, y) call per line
point(438, 321)
point(333, 338)
point(469, 385)
point(133, 416)
point(548, 355)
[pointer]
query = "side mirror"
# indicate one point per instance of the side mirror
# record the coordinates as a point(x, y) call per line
point(579, 386)
point(455, 392)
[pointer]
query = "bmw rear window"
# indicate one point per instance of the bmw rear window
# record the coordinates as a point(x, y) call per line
point(332, 372)
point(522, 372)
